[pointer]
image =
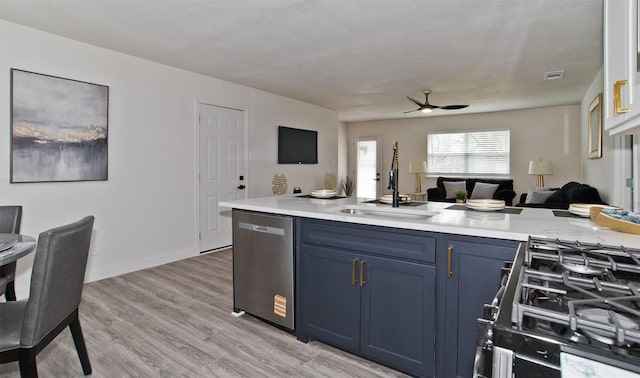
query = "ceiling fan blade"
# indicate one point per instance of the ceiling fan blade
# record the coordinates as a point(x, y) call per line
point(415, 102)
point(427, 107)
point(453, 107)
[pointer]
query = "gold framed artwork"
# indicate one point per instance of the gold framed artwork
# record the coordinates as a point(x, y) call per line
point(595, 128)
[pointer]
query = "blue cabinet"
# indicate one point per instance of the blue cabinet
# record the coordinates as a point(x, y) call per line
point(398, 314)
point(407, 299)
point(473, 278)
point(330, 302)
point(360, 292)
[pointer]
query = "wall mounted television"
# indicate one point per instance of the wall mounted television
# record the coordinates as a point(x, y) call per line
point(297, 146)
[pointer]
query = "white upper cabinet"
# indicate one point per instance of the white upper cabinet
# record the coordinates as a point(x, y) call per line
point(621, 71)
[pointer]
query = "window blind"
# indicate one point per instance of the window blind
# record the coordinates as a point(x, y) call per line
point(469, 153)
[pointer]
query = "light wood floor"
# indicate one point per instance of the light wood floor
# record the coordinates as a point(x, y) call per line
point(174, 321)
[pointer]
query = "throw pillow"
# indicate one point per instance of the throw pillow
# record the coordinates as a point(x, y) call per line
point(531, 190)
point(450, 188)
point(482, 190)
point(540, 197)
point(534, 197)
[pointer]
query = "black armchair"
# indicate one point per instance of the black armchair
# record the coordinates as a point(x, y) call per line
point(561, 198)
point(57, 277)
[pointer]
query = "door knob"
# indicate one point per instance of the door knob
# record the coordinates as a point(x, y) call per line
point(241, 186)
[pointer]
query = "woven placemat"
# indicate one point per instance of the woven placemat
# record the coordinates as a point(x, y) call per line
point(565, 214)
point(506, 210)
point(310, 196)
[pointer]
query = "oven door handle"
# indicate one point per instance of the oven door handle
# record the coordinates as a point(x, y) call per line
point(498, 298)
point(479, 363)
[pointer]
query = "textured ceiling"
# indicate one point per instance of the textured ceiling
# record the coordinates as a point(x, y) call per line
point(359, 57)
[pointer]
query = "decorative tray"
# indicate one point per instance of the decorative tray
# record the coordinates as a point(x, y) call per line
point(617, 224)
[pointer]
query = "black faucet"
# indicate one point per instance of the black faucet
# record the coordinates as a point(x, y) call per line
point(393, 176)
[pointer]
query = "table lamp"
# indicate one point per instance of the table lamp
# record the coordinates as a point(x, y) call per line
point(540, 168)
point(418, 167)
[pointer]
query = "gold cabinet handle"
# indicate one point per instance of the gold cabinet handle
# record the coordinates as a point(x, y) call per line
point(353, 271)
point(449, 253)
point(362, 273)
point(617, 109)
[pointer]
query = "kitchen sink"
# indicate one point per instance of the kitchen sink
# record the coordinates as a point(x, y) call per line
point(385, 212)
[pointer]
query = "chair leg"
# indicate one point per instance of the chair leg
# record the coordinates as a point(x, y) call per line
point(27, 362)
point(78, 340)
point(10, 294)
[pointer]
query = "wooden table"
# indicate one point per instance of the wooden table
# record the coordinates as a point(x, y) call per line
point(23, 246)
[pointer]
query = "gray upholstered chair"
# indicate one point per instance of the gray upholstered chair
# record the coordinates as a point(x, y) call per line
point(57, 278)
point(10, 219)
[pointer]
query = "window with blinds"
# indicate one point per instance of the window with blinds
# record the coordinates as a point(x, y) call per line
point(469, 153)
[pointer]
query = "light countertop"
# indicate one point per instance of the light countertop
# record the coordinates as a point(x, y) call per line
point(531, 221)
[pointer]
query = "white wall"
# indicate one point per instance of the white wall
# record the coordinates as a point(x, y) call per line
point(343, 155)
point(267, 111)
point(599, 173)
point(146, 211)
point(551, 133)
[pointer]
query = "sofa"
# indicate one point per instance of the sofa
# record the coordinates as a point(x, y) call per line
point(501, 189)
point(560, 198)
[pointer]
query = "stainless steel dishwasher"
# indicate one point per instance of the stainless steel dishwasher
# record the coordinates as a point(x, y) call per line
point(263, 266)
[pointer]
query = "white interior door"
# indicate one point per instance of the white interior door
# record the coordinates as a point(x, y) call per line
point(221, 172)
point(368, 161)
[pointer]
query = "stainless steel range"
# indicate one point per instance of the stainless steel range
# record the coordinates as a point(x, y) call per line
point(566, 309)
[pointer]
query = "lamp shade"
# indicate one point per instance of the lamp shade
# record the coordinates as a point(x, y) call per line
point(540, 167)
point(417, 166)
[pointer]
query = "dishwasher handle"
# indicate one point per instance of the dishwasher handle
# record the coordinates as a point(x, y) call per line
point(260, 228)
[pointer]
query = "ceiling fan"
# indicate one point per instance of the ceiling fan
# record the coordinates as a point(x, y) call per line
point(427, 107)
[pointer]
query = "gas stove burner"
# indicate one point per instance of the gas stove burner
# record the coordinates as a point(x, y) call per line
point(563, 245)
point(610, 263)
point(566, 333)
point(545, 300)
point(577, 247)
point(573, 298)
point(604, 316)
point(582, 269)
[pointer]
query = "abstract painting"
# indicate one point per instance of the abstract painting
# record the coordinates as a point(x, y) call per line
point(58, 129)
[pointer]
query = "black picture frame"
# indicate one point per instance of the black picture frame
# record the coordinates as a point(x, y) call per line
point(59, 129)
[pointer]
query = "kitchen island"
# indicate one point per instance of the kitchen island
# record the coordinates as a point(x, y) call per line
point(404, 286)
point(531, 221)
